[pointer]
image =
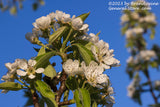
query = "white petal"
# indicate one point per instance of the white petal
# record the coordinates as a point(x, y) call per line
point(22, 63)
point(39, 70)
point(31, 76)
point(84, 27)
point(31, 62)
point(21, 73)
point(8, 66)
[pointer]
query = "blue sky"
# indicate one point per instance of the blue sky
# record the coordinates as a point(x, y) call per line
point(14, 45)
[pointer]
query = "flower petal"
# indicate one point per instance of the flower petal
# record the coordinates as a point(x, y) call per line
point(22, 63)
point(31, 76)
point(32, 62)
point(21, 73)
point(39, 70)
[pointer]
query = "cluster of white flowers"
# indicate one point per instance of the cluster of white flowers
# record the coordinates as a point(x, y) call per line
point(103, 55)
point(151, 18)
point(54, 19)
point(93, 72)
point(146, 55)
point(132, 87)
point(27, 68)
point(22, 68)
point(72, 67)
point(17, 67)
point(101, 51)
point(130, 33)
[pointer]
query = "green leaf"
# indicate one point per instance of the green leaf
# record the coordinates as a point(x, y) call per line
point(13, 10)
point(46, 92)
point(57, 34)
point(43, 60)
point(98, 33)
point(11, 86)
point(50, 71)
point(85, 53)
point(41, 51)
point(77, 99)
point(82, 98)
point(94, 104)
point(71, 83)
point(152, 35)
point(154, 64)
point(84, 16)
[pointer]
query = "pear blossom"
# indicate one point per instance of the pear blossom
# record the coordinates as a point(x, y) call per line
point(138, 30)
point(110, 90)
point(129, 33)
point(146, 55)
point(42, 22)
point(132, 87)
point(94, 76)
point(132, 60)
point(52, 16)
point(131, 90)
point(157, 83)
point(61, 16)
point(77, 23)
point(93, 38)
point(124, 18)
point(31, 37)
point(27, 68)
point(135, 15)
point(12, 67)
point(72, 67)
point(37, 32)
point(111, 99)
point(103, 55)
point(150, 18)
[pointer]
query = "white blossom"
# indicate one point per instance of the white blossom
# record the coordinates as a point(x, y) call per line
point(138, 30)
point(129, 33)
point(135, 15)
point(94, 75)
point(150, 18)
point(42, 22)
point(72, 67)
point(111, 99)
point(157, 83)
point(124, 18)
point(31, 37)
point(37, 32)
point(27, 68)
point(146, 55)
point(77, 24)
point(61, 16)
point(110, 90)
point(93, 38)
point(132, 60)
point(131, 90)
point(52, 16)
point(103, 55)
point(132, 87)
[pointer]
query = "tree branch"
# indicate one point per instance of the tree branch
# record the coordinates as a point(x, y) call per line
point(35, 99)
point(66, 102)
point(151, 88)
point(62, 87)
